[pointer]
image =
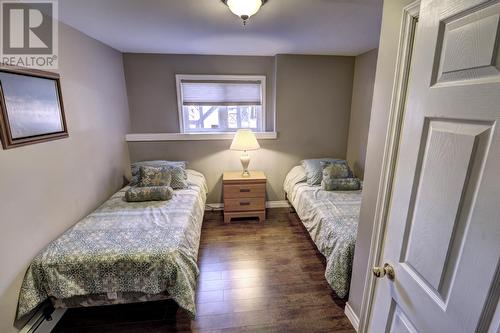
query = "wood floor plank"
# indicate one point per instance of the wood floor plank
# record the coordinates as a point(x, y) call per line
point(254, 277)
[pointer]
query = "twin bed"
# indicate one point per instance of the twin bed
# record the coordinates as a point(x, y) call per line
point(122, 253)
point(331, 218)
point(134, 252)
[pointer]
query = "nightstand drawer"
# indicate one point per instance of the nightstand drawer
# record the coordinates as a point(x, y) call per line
point(245, 191)
point(244, 204)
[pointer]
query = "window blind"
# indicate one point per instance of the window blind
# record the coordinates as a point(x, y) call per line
point(221, 93)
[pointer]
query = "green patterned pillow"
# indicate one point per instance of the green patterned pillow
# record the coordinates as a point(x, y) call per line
point(135, 168)
point(154, 176)
point(314, 168)
point(152, 193)
point(336, 170)
point(179, 181)
point(340, 184)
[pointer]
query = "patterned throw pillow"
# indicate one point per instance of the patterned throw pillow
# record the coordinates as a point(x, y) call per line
point(152, 193)
point(314, 168)
point(340, 184)
point(179, 180)
point(153, 176)
point(336, 170)
point(135, 168)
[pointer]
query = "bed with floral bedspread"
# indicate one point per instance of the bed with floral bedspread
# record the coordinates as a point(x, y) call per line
point(149, 248)
point(331, 218)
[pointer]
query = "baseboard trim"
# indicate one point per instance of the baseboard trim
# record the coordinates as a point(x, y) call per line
point(269, 204)
point(214, 207)
point(277, 204)
point(353, 318)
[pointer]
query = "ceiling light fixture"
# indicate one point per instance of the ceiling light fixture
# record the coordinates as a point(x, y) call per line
point(244, 8)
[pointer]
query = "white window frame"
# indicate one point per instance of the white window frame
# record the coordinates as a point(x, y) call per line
point(180, 77)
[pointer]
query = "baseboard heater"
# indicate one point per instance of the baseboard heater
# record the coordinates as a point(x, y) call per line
point(44, 319)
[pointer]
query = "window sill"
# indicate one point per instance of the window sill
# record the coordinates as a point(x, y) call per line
point(151, 137)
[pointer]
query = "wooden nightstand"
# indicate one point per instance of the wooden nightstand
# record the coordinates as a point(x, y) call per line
point(244, 196)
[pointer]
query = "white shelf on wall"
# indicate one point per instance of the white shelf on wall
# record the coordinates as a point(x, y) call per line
point(151, 137)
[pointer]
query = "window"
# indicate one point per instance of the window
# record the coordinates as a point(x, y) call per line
point(221, 103)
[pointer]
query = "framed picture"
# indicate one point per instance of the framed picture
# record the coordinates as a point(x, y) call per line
point(31, 107)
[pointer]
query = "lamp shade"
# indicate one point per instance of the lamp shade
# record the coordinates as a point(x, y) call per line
point(245, 140)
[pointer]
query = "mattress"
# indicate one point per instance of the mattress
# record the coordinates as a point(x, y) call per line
point(331, 218)
point(146, 248)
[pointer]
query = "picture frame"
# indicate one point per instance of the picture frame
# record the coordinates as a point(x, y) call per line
point(31, 107)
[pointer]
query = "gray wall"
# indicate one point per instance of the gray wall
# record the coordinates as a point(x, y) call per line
point(364, 78)
point(313, 102)
point(46, 188)
point(152, 91)
point(382, 94)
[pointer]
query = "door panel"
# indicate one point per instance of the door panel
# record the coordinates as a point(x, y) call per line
point(443, 227)
point(448, 155)
point(469, 45)
point(400, 322)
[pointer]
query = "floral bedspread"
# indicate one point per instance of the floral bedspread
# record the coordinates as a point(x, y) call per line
point(331, 218)
point(147, 247)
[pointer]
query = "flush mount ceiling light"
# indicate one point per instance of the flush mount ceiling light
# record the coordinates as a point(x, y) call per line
point(244, 8)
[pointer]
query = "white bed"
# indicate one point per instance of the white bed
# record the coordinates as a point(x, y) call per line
point(331, 218)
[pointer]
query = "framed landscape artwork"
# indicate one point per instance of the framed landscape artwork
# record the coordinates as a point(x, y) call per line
point(31, 107)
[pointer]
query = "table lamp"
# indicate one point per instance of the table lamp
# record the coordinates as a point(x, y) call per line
point(245, 140)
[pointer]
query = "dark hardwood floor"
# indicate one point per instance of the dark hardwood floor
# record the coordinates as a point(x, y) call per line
point(254, 278)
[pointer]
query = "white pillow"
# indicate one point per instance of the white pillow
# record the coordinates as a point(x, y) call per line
point(295, 176)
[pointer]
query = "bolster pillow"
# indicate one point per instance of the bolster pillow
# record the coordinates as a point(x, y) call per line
point(151, 193)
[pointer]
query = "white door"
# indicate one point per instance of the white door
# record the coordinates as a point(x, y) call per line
point(443, 230)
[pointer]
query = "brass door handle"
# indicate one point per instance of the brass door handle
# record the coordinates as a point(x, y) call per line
point(388, 270)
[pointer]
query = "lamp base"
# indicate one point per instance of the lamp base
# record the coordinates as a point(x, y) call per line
point(245, 162)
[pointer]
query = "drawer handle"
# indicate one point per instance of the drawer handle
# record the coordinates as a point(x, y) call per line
point(244, 190)
point(244, 203)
